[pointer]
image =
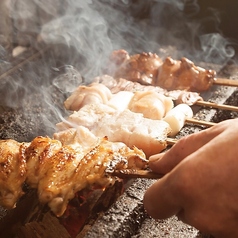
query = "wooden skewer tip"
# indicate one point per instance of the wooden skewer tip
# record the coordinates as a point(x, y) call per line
point(226, 82)
point(133, 173)
point(217, 105)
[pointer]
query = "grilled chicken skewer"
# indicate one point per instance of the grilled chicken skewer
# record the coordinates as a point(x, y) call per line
point(178, 96)
point(170, 74)
point(58, 171)
point(150, 103)
point(119, 92)
point(126, 126)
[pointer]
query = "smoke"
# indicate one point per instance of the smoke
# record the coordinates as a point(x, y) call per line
point(216, 48)
point(96, 28)
point(83, 33)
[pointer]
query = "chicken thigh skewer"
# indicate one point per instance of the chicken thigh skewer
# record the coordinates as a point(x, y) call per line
point(58, 171)
point(170, 74)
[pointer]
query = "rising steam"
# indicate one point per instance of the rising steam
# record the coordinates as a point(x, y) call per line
point(96, 28)
point(93, 29)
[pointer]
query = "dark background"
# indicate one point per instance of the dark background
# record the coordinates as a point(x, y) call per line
point(227, 12)
point(182, 23)
point(216, 15)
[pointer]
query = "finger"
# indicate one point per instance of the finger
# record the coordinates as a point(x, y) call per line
point(165, 162)
point(159, 200)
point(171, 195)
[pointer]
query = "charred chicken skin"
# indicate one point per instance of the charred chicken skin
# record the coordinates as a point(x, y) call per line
point(12, 172)
point(58, 171)
point(142, 68)
point(170, 74)
point(184, 75)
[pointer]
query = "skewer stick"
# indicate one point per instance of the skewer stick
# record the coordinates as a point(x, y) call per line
point(171, 141)
point(133, 173)
point(226, 82)
point(218, 106)
point(202, 123)
point(22, 63)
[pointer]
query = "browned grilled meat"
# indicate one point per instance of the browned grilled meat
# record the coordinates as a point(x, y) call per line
point(170, 74)
point(142, 68)
point(58, 171)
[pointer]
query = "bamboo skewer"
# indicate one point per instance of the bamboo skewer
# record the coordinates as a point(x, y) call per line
point(216, 105)
point(171, 141)
point(202, 123)
point(226, 82)
point(22, 63)
point(133, 173)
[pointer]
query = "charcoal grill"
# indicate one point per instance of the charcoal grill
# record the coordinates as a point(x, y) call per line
point(31, 103)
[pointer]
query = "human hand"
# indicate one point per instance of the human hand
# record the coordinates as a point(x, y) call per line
point(200, 185)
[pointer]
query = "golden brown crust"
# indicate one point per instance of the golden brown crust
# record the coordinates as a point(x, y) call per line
point(58, 171)
point(12, 172)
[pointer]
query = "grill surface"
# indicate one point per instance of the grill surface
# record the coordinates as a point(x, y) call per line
point(31, 104)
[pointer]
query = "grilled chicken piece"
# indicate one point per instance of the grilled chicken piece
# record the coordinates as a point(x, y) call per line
point(93, 93)
point(37, 155)
point(184, 75)
point(117, 85)
point(148, 68)
point(141, 68)
point(126, 126)
point(73, 168)
point(58, 171)
point(135, 130)
point(184, 97)
point(12, 172)
point(121, 100)
point(88, 116)
point(151, 104)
